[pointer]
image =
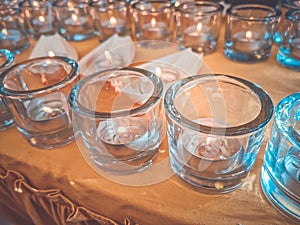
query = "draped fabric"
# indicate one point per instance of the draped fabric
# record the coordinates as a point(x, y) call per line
point(26, 205)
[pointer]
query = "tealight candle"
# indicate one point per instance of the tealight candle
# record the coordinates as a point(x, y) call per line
point(295, 48)
point(43, 24)
point(154, 30)
point(113, 25)
point(167, 74)
point(76, 23)
point(9, 38)
point(106, 61)
point(248, 41)
point(196, 35)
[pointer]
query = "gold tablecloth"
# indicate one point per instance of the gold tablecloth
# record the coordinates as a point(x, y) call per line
point(58, 187)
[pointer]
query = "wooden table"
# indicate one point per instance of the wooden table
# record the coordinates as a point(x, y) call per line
point(59, 186)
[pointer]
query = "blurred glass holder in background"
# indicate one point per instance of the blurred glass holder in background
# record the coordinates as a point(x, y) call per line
point(39, 18)
point(6, 60)
point(280, 176)
point(13, 35)
point(198, 25)
point(249, 32)
point(75, 21)
point(289, 51)
point(154, 22)
point(286, 5)
point(216, 124)
point(111, 18)
point(36, 92)
point(117, 114)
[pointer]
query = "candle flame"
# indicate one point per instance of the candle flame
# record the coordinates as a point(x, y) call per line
point(4, 31)
point(199, 27)
point(35, 4)
point(42, 19)
point(108, 58)
point(158, 71)
point(248, 34)
point(51, 54)
point(113, 21)
point(74, 18)
point(153, 22)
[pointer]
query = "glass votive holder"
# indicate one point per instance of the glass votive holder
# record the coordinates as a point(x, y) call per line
point(105, 61)
point(39, 17)
point(285, 6)
point(111, 18)
point(198, 25)
point(216, 124)
point(36, 92)
point(7, 59)
point(280, 176)
point(289, 51)
point(153, 20)
point(75, 21)
point(13, 35)
point(117, 114)
point(249, 32)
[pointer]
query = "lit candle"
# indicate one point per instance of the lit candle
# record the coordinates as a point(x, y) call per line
point(196, 35)
point(42, 25)
point(9, 38)
point(113, 25)
point(154, 30)
point(295, 48)
point(76, 24)
point(167, 74)
point(248, 41)
point(105, 61)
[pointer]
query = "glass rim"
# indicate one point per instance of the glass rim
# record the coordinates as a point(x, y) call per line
point(166, 5)
point(287, 103)
point(9, 55)
point(72, 75)
point(290, 15)
point(257, 123)
point(219, 8)
point(276, 12)
point(151, 101)
point(102, 6)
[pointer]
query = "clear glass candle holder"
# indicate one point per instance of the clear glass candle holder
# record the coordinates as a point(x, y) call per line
point(13, 35)
point(111, 18)
point(36, 92)
point(75, 21)
point(280, 176)
point(153, 20)
point(7, 59)
point(117, 114)
point(289, 51)
point(198, 25)
point(249, 32)
point(39, 17)
point(285, 6)
point(216, 124)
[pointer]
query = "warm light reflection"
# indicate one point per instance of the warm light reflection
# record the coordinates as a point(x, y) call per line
point(158, 71)
point(35, 4)
point(199, 27)
point(51, 54)
point(153, 22)
point(74, 18)
point(113, 21)
point(4, 32)
point(42, 19)
point(249, 35)
point(108, 58)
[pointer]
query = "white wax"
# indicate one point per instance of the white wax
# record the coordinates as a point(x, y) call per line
point(253, 42)
point(155, 30)
point(112, 26)
point(194, 35)
point(9, 38)
point(295, 48)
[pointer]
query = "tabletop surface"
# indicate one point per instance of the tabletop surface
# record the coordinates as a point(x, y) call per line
point(170, 201)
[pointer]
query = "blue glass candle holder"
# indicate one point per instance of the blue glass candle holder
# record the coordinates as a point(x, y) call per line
point(289, 51)
point(280, 177)
point(249, 32)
